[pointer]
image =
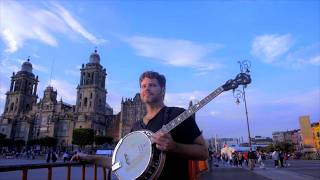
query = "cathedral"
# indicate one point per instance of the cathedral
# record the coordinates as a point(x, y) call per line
point(24, 118)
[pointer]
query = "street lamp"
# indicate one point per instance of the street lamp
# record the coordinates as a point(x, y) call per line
point(241, 94)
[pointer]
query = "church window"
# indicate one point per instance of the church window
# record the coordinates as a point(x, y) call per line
point(85, 101)
point(27, 107)
point(90, 95)
point(16, 100)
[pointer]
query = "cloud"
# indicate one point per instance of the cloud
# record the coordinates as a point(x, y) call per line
point(183, 99)
point(24, 21)
point(10, 66)
point(75, 25)
point(175, 52)
point(309, 55)
point(66, 90)
point(271, 46)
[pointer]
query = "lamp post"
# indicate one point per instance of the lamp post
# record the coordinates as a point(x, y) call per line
point(241, 94)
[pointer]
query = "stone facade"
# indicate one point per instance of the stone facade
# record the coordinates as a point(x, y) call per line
point(132, 110)
point(24, 118)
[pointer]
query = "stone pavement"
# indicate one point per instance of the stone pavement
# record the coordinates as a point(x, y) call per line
point(226, 172)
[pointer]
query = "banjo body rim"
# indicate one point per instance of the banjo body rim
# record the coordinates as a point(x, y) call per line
point(154, 163)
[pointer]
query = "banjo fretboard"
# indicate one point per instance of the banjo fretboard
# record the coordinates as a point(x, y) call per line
point(190, 111)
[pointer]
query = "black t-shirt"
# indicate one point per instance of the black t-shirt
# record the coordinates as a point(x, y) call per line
point(175, 167)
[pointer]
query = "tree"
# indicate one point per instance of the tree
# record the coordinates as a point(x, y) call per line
point(6, 142)
point(83, 136)
point(285, 146)
point(99, 140)
point(2, 136)
point(19, 143)
point(48, 141)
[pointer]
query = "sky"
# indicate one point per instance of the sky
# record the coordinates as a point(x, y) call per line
point(196, 44)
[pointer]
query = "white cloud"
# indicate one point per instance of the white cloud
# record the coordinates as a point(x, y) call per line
point(75, 25)
point(271, 46)
point(183, 99)
point(21, 21)
point(65, 90)
point(7, 67)
point(309, 55)
point(315, 60)
point(175, 52)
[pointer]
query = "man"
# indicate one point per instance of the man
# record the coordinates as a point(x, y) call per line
point(181, 144)
point(252, 158)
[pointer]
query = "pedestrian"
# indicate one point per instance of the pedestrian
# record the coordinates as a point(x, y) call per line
point(54, 156)
point(252, 158)
point(48, 157)
point(275, 157)
point(65, 156)
point(281, 157)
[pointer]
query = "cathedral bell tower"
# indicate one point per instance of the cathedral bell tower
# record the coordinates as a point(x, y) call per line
point(19, 101)
point(91, 94)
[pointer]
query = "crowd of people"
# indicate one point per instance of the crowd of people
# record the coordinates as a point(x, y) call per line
point(249, 159)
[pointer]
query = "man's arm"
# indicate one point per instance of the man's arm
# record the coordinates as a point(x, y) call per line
point(196, 151)
point(99, 160)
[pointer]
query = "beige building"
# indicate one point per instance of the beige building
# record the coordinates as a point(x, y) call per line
point(306, 132)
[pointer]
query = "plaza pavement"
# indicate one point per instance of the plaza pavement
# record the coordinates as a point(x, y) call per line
point(298, 170)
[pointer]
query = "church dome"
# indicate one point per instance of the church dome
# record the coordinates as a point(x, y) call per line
point(94, 57)
point(27, 66)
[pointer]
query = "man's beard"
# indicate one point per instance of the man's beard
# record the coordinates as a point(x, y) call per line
point(153, 99)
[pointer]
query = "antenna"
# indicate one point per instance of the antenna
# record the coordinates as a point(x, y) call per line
point(52, 64)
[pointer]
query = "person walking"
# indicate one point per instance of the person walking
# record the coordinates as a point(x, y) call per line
point(275, 157)
point(252, 158)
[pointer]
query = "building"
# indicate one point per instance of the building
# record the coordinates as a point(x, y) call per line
point(16, 120)
point(306, 133)
point(260, 141)
point(132, 110)
point(316, 134)
point(25, 118)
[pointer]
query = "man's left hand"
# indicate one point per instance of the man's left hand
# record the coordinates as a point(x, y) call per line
point(164, 141)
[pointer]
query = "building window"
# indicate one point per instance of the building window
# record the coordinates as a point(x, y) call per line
point(90, 95)
point(80, 95)
point(85, 102)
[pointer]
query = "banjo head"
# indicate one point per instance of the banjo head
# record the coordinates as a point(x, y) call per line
point(132, 155)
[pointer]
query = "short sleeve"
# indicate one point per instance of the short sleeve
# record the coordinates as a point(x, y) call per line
point(187, 131)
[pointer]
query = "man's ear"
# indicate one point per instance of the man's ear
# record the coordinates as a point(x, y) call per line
point(163, 90)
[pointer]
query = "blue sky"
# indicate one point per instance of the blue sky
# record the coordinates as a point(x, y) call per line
point(195, 44)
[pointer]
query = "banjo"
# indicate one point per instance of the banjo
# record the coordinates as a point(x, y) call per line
point(136, 157)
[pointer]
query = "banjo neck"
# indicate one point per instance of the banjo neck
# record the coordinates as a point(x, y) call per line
point(190, 111)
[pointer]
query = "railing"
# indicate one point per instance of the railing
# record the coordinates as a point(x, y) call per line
point(25, 167)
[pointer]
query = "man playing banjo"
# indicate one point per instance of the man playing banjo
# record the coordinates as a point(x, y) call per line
point(183, 143)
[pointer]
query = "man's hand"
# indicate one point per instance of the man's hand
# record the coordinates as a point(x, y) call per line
point(81, 156)
point(164, 141)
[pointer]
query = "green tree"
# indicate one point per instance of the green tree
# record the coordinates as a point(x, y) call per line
point(2, 136)
point(99, 140)
point(48, 141)
point(284, 146)
point(83, 136)
point(6, 142)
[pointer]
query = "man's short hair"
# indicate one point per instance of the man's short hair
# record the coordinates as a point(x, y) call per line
point(153, 75)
